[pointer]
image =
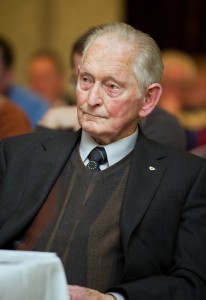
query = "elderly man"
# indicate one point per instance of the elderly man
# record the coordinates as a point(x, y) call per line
point(126, 215)
point(31, 103)
point(159, 125)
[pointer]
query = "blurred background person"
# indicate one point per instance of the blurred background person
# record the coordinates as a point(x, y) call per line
point(178, 75)
point(196, 97)
point(184, 95)
point(46, 77)
point(31, 103)
point(160, 125)
point(194, 110)
point(13, 121)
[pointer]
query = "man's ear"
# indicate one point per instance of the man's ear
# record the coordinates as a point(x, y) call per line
point(151, 99)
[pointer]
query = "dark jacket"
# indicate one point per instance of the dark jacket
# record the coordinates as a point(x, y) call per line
point(163, 217)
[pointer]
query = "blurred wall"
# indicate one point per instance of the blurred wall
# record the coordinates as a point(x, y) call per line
point(30, 25)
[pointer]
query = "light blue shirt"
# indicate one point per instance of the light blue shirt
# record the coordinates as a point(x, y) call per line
point(115, 152)
point(31, 103)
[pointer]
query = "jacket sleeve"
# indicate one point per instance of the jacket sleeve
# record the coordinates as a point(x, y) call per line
point(186, 279)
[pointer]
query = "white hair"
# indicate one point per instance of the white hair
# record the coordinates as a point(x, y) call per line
point(148, 66)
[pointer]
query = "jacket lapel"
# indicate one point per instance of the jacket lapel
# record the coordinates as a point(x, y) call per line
point(146, 171)
point(46, 164)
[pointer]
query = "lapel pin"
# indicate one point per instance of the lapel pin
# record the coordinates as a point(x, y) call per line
point(151, 168)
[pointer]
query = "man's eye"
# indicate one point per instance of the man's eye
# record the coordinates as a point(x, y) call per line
point(85, 79)
point(113, 86)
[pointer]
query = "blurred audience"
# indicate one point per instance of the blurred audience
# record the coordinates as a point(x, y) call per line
point(47, 77)
point(184, 95)
point(31, 103)
point(194, 111)
point(179, 73)
point(196, 97)
point(160, 125)
point(13, 121)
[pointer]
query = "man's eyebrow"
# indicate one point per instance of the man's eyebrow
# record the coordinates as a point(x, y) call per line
point(84, 72)
point(116, 80)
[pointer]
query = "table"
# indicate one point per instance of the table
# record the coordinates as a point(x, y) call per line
point(27, 275)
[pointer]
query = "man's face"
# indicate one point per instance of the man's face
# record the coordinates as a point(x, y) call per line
point(45, 79)
point(108, 106)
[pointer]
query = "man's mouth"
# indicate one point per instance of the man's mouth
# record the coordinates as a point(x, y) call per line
point(93, 115)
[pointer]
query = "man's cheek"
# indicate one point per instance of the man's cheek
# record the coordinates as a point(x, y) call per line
point(117, 110)
point(81, 96)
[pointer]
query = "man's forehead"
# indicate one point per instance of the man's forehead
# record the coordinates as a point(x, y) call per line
point(109, 51)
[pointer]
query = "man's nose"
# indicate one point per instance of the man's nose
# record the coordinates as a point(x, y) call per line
point(95, 95)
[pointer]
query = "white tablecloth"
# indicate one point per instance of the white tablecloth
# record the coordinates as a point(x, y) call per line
point(26, 275)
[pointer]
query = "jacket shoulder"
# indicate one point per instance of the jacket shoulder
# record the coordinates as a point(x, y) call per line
point(173, 157)
point(31, 141)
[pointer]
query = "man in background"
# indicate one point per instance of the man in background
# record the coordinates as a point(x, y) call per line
point(179, 74)
point(47, 77)
point(33, 105)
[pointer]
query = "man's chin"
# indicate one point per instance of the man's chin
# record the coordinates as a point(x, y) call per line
point(91, 128)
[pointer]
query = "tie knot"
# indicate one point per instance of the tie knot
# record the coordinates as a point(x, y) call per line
point(97, 157)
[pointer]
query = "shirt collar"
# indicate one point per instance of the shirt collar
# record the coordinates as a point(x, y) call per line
point(115, 151)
